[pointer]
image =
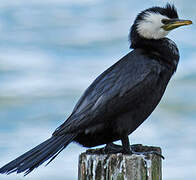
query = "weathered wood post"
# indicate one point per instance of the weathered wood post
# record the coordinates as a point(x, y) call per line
point(96, 166)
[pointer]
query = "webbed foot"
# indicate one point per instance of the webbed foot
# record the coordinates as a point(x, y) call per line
point(138, 149)
point(112, 148)
point(144, 150)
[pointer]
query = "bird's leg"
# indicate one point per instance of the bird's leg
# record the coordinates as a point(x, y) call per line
point(126, 145)
point(112, 148)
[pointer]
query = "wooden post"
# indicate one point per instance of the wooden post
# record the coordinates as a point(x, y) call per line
point(96, 166)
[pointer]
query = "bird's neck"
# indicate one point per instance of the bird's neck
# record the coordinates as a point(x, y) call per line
point(164, 50)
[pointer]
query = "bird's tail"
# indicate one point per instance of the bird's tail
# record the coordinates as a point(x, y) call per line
point(30, 160)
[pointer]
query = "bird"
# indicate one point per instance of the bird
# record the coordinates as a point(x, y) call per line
point(121, 98)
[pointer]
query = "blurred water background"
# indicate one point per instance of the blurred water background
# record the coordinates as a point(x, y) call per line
point(50, 51)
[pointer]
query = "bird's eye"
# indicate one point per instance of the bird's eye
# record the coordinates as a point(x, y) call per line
point(165, 21)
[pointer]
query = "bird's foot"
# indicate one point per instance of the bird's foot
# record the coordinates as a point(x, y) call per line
point(112, 148)
point(137, 149)
point(144, 150)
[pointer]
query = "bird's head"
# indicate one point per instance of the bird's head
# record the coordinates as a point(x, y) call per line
point(156, 23)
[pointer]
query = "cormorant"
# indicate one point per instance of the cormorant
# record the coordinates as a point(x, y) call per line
point(122, 97)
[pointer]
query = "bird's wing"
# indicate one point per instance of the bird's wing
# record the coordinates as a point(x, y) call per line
point(111, 93)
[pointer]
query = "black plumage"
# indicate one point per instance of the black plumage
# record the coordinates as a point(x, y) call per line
point(117, 102)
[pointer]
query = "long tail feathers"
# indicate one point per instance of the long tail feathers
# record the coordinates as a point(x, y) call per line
point(30, 160)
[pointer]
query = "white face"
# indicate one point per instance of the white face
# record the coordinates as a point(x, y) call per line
point(151, 26)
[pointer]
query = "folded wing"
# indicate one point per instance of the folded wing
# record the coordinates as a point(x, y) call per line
point(112, 92)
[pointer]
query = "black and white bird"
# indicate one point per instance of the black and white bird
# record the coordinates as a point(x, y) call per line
point(122, 97)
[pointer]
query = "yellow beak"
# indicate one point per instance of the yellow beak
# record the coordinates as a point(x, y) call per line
point(174, 23)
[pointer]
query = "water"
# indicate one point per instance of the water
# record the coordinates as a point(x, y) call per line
point(50, 51)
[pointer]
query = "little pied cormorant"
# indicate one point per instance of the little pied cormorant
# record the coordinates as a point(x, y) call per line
point(122, 97)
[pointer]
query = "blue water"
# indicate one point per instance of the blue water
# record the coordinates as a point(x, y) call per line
point(50, 51)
